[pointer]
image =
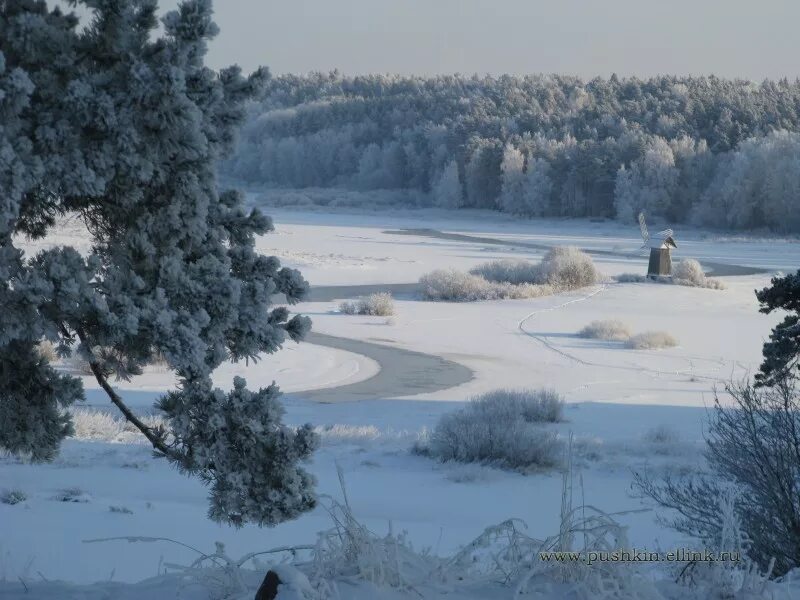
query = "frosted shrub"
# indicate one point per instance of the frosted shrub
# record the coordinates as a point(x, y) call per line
point(567, 268)
point(690, 272)
point(456, 286)
point(500, 428)
point(751, 448)
point(609, 330)
point(348, 308)
point(561, 269)
point(533, 406)
point(380, 305)
point(508, 271)
point(652, 340)
point(464, 437)
point(12, 497)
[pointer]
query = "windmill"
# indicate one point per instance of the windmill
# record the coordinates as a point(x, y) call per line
point(660, 246)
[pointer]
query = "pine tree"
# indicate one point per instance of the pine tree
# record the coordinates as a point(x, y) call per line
point(782, 351)
point(124, 129)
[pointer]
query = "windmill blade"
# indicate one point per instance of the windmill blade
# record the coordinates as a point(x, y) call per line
point(643, 228)
point(664, 234)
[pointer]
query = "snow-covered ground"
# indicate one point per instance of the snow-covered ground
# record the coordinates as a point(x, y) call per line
point(616, 397)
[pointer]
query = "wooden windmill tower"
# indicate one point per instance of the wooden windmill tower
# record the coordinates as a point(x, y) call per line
point(660, 246)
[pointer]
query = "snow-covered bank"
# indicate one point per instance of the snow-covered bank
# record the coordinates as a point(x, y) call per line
point(440, 505)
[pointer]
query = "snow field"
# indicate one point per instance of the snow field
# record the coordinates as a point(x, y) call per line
point(625, 408)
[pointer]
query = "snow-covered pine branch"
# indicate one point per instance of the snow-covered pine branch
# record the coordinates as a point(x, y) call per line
point(124, 127)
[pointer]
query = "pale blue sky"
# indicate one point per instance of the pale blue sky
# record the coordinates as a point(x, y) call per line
point(735, 38)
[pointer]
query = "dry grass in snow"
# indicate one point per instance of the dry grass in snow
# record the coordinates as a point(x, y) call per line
point(651, 340)
point(611, 330)
point(104, 427)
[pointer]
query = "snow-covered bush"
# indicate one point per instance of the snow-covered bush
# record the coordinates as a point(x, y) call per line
point(568, 268)
point(463, 437)
point(751, 451)
point(457, 286)
point(508, 271)
point(122, 125)
point(562, 268)
point(689, 272)
point(533, 406)
point(651, 340)
point(12, 497)
point(501, 428)
point(379, 304)
point(610, 330)
point(453, 285)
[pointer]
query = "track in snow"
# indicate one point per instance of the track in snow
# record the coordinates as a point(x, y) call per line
point(655, 373)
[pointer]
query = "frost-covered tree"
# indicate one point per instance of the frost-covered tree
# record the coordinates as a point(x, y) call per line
point(651, 182)
point(626, 199)
point(512, 180)
point(680, 138)
point(757, 185)
point(482, 174)
point(123, 128)
point(446, 189)
point(537, 189)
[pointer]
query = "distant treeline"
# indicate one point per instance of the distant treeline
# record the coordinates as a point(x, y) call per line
point(687, 149)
